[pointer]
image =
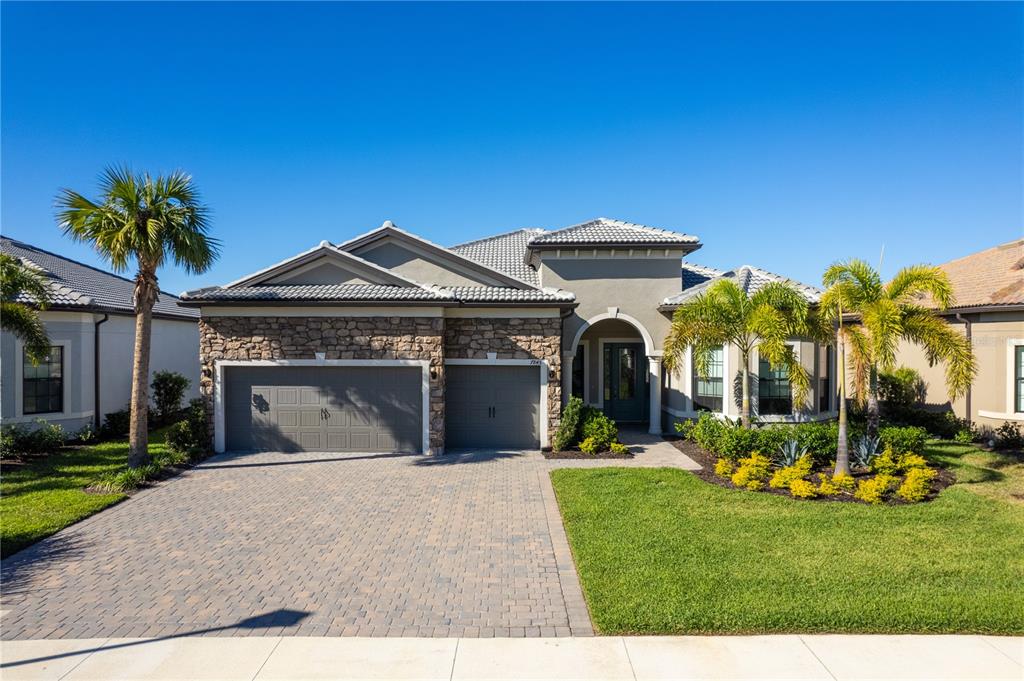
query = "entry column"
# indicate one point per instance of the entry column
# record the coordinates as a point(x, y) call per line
point(654, 366)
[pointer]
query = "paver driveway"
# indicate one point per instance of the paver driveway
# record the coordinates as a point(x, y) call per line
point(263, 544)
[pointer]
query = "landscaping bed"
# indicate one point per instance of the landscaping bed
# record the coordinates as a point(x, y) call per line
point(577, 454)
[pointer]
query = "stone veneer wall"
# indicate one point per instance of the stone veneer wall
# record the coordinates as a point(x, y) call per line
point(512, 338)
point(241, 338)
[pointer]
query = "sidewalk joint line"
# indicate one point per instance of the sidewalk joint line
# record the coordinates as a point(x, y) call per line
point(454, 656)
point(820, 661)
point(628, 658)
point(269, 655)
point(88, 655)
point(997, 649)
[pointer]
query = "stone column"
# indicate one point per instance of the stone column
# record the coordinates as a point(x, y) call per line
point(654, 365)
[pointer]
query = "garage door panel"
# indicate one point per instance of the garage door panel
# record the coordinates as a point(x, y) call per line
point(492, 406)
point(353, 408)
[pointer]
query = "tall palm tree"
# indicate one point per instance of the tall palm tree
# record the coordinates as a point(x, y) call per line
point(152, 221)
point(886, 314)
point(24, 291)
point(725, 313)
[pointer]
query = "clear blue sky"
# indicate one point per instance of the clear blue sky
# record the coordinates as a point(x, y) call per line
point(785, 136)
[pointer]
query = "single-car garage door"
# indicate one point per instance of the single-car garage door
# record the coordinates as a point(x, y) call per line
point(344, 409)
point(492, 406)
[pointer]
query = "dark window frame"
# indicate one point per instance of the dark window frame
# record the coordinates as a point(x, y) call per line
point(1018, 386)
point(771, 382)
point(43, 394)
point(579, 373)
point(710, 400)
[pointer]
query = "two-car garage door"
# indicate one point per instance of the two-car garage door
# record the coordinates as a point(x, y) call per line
point(330, 408)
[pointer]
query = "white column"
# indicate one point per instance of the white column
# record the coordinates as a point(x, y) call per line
point(654, 363)
point(567, 357)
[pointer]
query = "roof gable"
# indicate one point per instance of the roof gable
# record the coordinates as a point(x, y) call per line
point(471, 271)
point(350, 268)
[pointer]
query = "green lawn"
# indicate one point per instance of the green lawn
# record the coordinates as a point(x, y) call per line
point(661, 551)
point(44, 496)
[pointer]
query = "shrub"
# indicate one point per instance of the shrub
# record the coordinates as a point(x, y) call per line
point(127, 480)
point(901, 388)
point(909, 462)
point(117, 423)
point(844, 482)
point(724, 468)
point(736, 442)
point(752, 472)
point(773, 438)
point(965, 436)
point(865, 449)
point(820, 439)
point(618, 448)
point(599, 428)
point(568, 433)
point(789, 452)
point(802, 489)
point(168, 390)
point(590, 446)
point(705, 432)
point(873, 490)
point(189, 437)
point(85, 434)
point(886, 463)
point(943, 424)
point(903, 439)
point(8, 441)
point(1008, 436)
point(916, 485)
point(785, 477)
point(43, 439)
point(826, 486)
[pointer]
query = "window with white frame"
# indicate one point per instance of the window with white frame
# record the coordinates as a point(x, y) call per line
point(42, 385)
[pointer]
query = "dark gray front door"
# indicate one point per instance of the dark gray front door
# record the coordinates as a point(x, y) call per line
point(492, 406)
point(625, 382)
point(343, 409)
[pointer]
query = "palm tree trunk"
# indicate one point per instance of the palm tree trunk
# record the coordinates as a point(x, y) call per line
point(843, 449)
point(873, 402)
point(138, 434)
point(745, 391)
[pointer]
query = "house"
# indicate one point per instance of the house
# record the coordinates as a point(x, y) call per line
point(390, 342)
point(91, 325)
point(989, 310)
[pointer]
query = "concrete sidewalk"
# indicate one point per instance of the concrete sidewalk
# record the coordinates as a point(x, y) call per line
point(829, 657)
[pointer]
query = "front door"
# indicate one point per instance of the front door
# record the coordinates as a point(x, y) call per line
point(625, 382)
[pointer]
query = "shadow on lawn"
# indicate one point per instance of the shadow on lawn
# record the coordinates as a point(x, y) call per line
point(272, 619)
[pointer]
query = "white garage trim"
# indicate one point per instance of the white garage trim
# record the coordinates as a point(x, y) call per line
point(218, 385)
point(540, 364)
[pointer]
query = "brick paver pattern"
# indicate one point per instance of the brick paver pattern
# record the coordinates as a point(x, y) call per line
point(306, 544)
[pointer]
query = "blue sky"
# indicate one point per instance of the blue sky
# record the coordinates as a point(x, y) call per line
point(785, 136)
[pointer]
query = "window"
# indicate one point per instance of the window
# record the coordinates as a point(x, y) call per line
point(773, 392)
point(1018, 386)
point(707, 391)
point(825, 380)
point(42, 387)
point(579, 364)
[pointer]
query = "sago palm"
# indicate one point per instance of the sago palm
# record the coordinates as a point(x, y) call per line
point(24, 291)
point(886, 314)
point(151, 221)
point(725, 313)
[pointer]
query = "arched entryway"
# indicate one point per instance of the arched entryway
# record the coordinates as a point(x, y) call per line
point(612, 365)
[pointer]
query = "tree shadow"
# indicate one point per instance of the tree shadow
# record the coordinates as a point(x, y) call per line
point(471, 456)
point(16, 570)
point(272, 619)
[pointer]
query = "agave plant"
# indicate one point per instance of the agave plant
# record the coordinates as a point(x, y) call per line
point(865, 449)
point(790, 452)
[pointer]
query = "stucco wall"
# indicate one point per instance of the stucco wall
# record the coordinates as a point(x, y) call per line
point(634, 285)
point(405, 262)
point(991, 404)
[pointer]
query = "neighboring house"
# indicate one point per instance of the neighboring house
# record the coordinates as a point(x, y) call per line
point(390, 342)
point(989, 290)
point(91, 325)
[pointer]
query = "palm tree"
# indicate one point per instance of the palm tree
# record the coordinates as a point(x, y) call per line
point(151, 220)
point(725, 313)
point(887, 314)
point(24, 291)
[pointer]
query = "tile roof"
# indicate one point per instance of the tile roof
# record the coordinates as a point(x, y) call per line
point(317, 292)
point(77, 285)
point(750, 279)
point(342, 293)
point(498, 294)
point(694, 274)
point(994, 276)
point(607, 231)
point(503, 252)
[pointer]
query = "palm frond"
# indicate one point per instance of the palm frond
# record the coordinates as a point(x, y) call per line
point(910, 282)
point(942, 343)
point(23, 322)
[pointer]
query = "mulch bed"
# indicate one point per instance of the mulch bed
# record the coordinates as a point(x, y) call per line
point(707, 461)
point(577, 454)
